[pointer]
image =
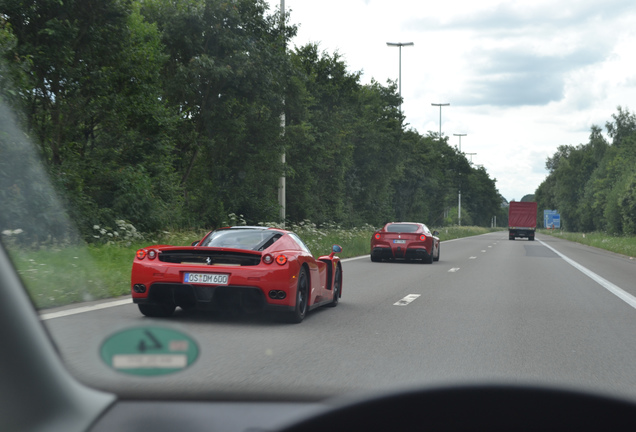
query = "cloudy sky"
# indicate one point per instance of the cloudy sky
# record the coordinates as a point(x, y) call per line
point(521, 77)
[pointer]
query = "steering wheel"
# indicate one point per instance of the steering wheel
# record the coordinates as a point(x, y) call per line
point(478, 408)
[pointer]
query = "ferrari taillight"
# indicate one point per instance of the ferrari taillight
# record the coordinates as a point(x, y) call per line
point(422, 237)
point(281, 260)
point(152, 254)
point(141, 254)
point(377, 236)
point(267, 259)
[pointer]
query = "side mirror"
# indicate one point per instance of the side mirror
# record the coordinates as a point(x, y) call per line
point(435, 233)
point(195, 243)
point(336, 248)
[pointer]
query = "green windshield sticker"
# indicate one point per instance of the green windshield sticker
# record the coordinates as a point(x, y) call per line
point(149, 351)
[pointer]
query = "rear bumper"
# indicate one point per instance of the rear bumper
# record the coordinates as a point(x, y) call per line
point(213, 297)
point(388, 253)
point(521, 232)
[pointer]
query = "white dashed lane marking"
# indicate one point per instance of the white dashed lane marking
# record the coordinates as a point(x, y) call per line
point(406, 300)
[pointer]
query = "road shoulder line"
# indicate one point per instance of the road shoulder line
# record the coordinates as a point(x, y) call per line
point(614, 289)
point(82, 309)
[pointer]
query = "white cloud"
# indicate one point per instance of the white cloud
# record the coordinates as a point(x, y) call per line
point(522, 77)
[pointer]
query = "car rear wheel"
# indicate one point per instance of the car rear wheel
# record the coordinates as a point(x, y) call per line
point(160, 310)
point(302, 298)
point(437, 256)
point(428, 259)
point(337, 283)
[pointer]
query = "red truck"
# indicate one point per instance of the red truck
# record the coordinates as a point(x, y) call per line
point(522, 220)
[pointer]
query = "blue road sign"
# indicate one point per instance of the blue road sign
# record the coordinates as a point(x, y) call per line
point(551, 219)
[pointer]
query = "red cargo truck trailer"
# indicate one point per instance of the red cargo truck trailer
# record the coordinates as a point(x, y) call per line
point(522, 220)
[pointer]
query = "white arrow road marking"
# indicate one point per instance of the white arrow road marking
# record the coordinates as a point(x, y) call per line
point(473, 257)
point(453, 270)
point(406, 300)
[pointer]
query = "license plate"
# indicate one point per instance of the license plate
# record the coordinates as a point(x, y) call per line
point(206, 278)
point(399, 241)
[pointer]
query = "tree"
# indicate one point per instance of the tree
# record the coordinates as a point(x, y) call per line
point(591, 184)
point(223, 78)
point(321, 116)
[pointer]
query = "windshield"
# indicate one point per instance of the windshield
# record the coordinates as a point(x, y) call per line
point(405, 228)
point(130, 130)
point(251, 239)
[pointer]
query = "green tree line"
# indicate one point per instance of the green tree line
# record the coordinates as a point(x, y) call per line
point(168, 114)
point(593, 185)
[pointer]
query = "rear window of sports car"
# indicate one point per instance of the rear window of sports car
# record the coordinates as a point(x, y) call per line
point(242, 239)
point(402, 228)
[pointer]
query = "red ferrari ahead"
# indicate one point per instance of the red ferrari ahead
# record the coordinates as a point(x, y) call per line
point(245, 268)
point(405, 240)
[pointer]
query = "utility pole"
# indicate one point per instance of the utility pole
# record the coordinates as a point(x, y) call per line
point(282, 181)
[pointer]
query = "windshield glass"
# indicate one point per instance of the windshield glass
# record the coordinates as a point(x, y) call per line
point(404, 228)
point(131, 129)
point(251, 239)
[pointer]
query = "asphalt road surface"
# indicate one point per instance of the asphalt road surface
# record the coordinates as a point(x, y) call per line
point(491, 310)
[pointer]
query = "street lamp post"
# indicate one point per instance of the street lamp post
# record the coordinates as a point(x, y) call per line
point(440, 105)
point(460, 140)
point(459, 192)
point(400, 45)
point(471, 156)
point(459, 205)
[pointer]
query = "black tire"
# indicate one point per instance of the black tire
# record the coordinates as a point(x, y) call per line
point(511, 238)
point(161, 310)
point(429, 258)
point(302, 298)
point(374, 259)
point(337, 284)
point(531, 238)
point(438, 252)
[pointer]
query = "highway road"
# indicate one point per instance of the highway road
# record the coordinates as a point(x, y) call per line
point(491, 310)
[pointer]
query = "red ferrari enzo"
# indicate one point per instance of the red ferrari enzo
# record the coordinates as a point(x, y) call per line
point(405, 240)
point(244, 268)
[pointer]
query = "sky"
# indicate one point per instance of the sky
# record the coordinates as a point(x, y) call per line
point(521, 77)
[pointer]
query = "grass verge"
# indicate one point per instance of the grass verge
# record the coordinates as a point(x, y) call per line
point(625, 245)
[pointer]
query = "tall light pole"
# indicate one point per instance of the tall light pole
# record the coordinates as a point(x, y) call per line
point(281, 180)
point(460, 140)
point(400, 45)
point(440, 105)
point(471, 156)
point(459, 192)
